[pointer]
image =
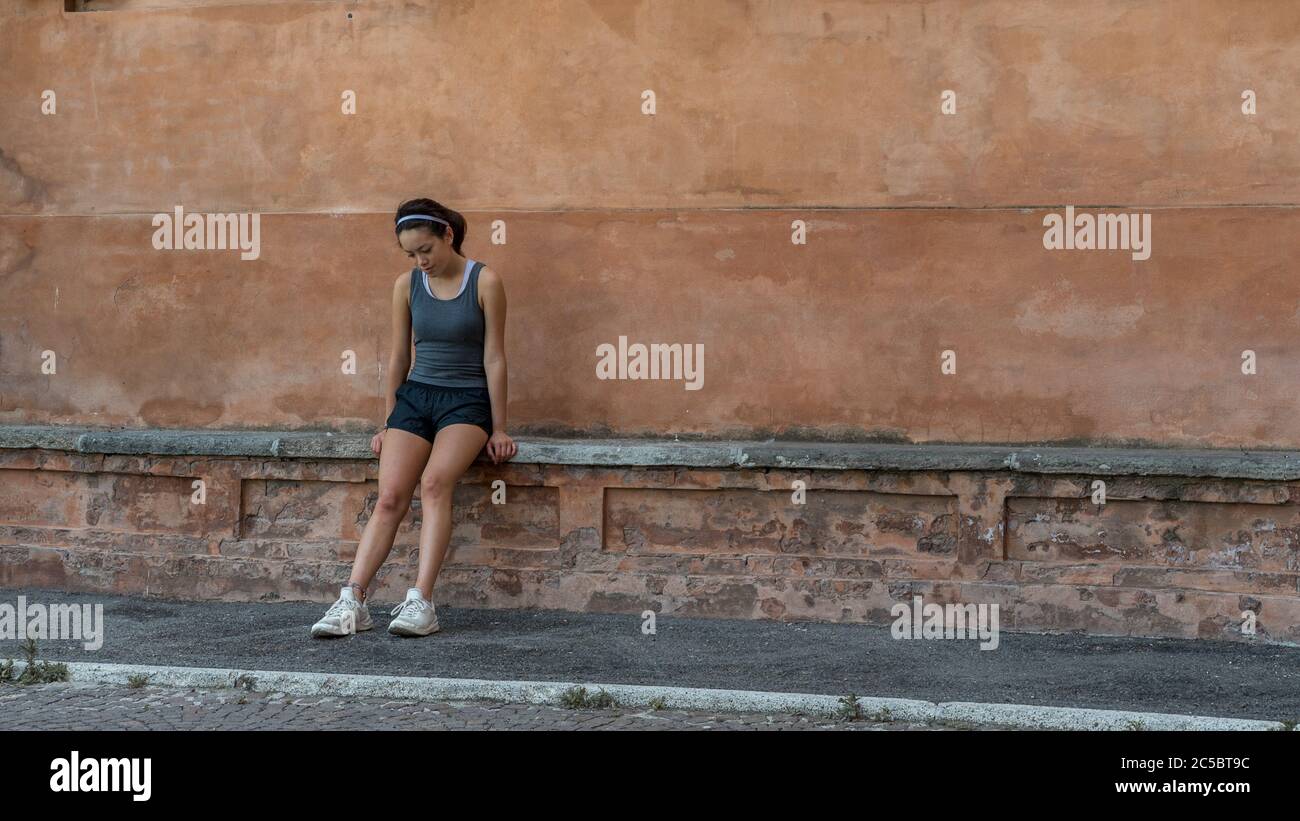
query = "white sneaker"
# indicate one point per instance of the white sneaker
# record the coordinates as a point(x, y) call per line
point(347, 615)
point(415, 616)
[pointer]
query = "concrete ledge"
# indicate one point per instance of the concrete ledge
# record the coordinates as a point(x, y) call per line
point(1021, 716)
point(1263, 465)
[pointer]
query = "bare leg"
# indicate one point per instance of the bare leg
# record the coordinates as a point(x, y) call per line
point(454, 450)
point(401, 458)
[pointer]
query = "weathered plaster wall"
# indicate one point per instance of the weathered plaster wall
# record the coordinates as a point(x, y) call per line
point(924, 229)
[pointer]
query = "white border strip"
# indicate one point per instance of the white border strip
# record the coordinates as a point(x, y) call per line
point(1022, 716)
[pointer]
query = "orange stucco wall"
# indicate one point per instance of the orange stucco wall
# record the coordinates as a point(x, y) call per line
point(924, 229)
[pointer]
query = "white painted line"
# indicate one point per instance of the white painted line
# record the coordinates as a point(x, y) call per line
point(410, 688)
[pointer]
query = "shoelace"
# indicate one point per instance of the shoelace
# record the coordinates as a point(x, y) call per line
point(338, 608)
point(415, 605)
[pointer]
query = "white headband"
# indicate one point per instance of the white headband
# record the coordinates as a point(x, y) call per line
point(423, 217)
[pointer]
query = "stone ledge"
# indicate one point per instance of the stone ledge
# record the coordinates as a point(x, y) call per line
point(1263, 465)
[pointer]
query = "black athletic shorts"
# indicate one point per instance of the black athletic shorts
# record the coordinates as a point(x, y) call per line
point(425, 409)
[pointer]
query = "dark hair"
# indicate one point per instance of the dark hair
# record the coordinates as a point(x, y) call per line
point(437, 209)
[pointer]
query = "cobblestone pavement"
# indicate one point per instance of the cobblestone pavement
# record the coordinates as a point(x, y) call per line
point(72, 706)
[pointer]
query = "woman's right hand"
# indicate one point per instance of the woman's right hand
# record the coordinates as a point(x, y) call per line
point(377, 441)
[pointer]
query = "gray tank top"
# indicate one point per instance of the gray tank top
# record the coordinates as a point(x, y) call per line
point(448, 333)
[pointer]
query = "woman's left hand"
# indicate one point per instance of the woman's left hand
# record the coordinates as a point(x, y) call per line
point(501, 447)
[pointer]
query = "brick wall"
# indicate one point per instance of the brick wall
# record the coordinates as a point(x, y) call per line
point(1164, 556)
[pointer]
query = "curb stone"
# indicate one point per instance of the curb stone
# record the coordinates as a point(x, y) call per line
point(406, 688)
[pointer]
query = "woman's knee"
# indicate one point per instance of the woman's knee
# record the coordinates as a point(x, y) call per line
point(436, 486)
point(392, 502)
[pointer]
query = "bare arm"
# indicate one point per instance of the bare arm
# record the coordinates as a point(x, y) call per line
point(492, 298)
point(399, 356)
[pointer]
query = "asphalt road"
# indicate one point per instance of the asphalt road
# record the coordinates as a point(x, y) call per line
point(1193, 677)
